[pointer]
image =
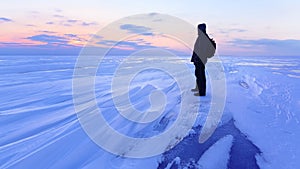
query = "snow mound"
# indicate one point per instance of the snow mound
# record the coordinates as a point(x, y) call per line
point(216, 157)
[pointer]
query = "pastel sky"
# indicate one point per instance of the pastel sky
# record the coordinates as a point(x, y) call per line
point(252, 28)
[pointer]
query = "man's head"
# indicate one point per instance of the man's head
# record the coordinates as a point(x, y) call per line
point(202, 27)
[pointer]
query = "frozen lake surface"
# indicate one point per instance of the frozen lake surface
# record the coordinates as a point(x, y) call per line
point(260, 126)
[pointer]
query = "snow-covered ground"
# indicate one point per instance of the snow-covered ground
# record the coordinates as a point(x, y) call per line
point(260, 126)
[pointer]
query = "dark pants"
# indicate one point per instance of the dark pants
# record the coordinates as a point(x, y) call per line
point(200, 77)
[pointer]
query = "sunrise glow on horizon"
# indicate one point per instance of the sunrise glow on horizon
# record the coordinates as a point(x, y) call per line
point(240, 28)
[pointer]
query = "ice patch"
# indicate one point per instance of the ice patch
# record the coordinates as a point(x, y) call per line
point(233, 71)
point(296, 71)
point(265, 64)
point(293, 76)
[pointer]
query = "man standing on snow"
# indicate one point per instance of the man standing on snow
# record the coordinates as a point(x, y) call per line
point(202, 50)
